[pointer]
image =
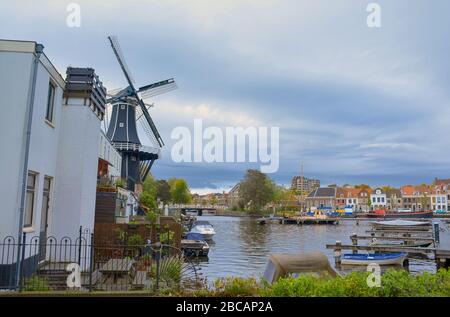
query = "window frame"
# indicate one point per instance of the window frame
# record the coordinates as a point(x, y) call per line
point(30, 190)
point(50, 108)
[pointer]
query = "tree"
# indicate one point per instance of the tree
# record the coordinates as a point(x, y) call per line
point(362, 186)
point(149, 193)
point(179, 191)
point(281, 194)
point(213, 200)
point(256, 190)
point(163, 192)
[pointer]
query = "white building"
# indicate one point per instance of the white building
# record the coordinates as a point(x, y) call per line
point(378, 199)
point(61, 172)
point(439, 198)
point(111, 157)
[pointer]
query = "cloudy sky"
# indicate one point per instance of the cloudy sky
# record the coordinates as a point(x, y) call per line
point(356, 104)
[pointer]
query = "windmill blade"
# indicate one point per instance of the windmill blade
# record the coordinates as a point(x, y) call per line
point(119, 55)
point(115, 91)
point(146, 127)
point(157, 88)
point(131, 91)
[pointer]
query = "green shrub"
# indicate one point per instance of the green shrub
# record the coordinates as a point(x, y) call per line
point(394, 283)
point(35, 284)
point(235, 286)
point(136, 240)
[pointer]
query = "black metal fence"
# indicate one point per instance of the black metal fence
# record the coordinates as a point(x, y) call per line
point(50, 264)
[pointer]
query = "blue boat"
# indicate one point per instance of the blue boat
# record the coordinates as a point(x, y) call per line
point(195, 245)
point(378, 258)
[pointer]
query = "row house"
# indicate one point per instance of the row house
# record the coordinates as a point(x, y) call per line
point(393, 199)
point(322, 197)
point(445, 186)
point(355, 198)
point(439, 198)
point(416, 198)
point(378, 199)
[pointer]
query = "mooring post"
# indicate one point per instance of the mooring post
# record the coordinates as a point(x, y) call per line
point(337, 253)
point(406, 264)
point(436, 233)
point(354, 238)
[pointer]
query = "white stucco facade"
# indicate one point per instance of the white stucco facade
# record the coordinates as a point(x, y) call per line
point(64, 150)
point(16, 62)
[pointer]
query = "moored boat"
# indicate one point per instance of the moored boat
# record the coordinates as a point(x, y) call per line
point(203, 227)
point(400, 223)
point(194, 244)
point(404, 214)
point(378, 258)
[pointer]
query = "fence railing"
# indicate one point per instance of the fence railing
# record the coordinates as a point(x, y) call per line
point(50, 264)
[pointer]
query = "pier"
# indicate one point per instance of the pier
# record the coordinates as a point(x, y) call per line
point(422, 235)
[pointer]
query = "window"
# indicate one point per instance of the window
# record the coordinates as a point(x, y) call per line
point(45, 203)
point(29, 202)
point(50, 102)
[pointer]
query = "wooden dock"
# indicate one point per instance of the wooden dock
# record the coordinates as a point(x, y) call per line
point(406, 235)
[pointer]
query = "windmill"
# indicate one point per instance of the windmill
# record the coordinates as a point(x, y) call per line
point(129, 110)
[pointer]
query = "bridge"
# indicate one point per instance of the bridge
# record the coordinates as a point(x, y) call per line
point(197, 208)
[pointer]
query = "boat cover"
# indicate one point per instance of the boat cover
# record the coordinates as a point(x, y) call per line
point(309, 262)
point(194, 236)
point(400, 222)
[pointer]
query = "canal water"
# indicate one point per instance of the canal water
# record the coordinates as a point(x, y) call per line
point(241, 246)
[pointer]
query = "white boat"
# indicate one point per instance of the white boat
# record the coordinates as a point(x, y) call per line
point(205, 228)
point(379, 258)
point(400, 223)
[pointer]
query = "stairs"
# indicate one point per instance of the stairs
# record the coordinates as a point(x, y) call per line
point(55, 276)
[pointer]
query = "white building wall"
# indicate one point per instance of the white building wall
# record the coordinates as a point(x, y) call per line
point(44, 144)
point(110, 154)
point(76, 170)
point(16, 59)
point(14, 82)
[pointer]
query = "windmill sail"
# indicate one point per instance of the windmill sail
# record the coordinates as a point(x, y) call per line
point(128, 112)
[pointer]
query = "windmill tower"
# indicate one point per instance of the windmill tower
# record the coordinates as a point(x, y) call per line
point(128, 112)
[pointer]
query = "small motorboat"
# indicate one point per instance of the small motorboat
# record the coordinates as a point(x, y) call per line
point(270, 219)
point(378, 258)
point(203, 227)
point(194, 245)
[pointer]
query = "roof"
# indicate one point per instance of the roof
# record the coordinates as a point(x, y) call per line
point(443, 181)
point(323, 192)
point(410, 190)
point(16, 46)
